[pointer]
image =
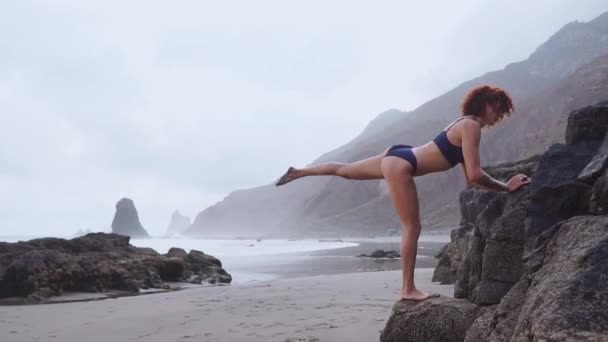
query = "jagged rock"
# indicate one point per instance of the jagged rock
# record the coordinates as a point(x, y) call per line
point(565, 298)
point(503, 318)
point(380, 253)
point(557, 191)
point(438, 319)
point(209, 267)
point(588, 124)
point(126, 220)
point(496, 239)
point(599, 195)
point(599, 162)
point(97, 262)
point(478, 331)
point(178, 224)
point(451, 256)
point(538, 254)
point(177, 252)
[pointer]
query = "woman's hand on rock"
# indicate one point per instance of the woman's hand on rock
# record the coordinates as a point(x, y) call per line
point(517, 181)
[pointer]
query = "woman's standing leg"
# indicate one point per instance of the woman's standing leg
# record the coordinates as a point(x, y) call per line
point(369, 168)
point(398, 175)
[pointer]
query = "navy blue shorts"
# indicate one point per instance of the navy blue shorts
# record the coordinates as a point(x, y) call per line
point(405, 152)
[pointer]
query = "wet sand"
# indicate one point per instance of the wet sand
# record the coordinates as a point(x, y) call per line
point(341, 260)
point(343, 307)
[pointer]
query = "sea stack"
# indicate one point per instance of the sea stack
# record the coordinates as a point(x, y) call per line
point(178, 224)
point(126, 220)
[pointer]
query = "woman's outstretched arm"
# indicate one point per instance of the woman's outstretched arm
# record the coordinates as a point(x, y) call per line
point(464, 169)
point(473, 172)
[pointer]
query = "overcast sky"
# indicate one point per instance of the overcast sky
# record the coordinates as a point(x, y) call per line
point(176, 104)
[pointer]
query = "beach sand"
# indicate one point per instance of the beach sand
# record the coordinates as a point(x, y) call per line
point(343, 307)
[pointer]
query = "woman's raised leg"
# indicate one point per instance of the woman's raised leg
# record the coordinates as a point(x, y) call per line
point(398, 175)
point(369, 168)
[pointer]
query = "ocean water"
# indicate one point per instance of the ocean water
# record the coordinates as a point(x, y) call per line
point(239, 248)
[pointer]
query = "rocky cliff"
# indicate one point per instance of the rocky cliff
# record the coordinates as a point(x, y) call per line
point(528, 265)
point(566, 72)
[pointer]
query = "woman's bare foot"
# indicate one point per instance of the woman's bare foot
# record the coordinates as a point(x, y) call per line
point(418, 295)
point(287, 177)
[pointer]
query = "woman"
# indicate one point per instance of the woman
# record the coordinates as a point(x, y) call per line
point(458, 143)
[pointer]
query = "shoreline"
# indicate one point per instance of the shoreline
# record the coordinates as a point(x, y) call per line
point(265, 269)
point(353, 307)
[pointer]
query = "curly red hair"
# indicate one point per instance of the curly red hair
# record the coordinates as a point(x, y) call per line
point(475, 101)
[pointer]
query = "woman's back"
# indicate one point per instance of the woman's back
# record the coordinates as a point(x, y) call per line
point(443, 152)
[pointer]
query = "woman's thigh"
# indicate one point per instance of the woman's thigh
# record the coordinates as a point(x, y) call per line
point(398, 175)
point(370, 168)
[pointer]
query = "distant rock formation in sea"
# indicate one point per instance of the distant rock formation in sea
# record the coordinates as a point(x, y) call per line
point(528, 265)
point(126, 220)
point(178, 224)
point(38, 269)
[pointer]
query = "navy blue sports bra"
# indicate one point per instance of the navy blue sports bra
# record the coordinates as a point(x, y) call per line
point(450, 151)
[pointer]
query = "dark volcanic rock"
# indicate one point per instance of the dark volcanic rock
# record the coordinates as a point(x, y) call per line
point(588, 124)
point(438, 319)
point(599, 162)
point(97, 262)
point(495, 237)
point(599, 195)
point(565, 298)
point(501, 317)
point(126, 220)
point(380, 253)
point(451, 256)
point(556, 193)
point(535, 259)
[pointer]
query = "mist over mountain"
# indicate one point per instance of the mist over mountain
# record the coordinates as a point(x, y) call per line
point(569, 70)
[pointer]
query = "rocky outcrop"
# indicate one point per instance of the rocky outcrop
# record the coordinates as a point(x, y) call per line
point(97, 262)
point(451, 256)
point(535, 259)
point(417, 321)
point(564, 295)
point(178, 224)
point(126, 220)
point(380, 253)
point(490, 231)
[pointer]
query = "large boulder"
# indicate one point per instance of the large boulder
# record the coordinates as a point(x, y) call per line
point(564, 298)
point(126, 220)
point(438, 319)
point(556, 193)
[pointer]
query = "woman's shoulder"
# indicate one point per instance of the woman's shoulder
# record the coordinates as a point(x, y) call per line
point(468, 122)
point(463, 121)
